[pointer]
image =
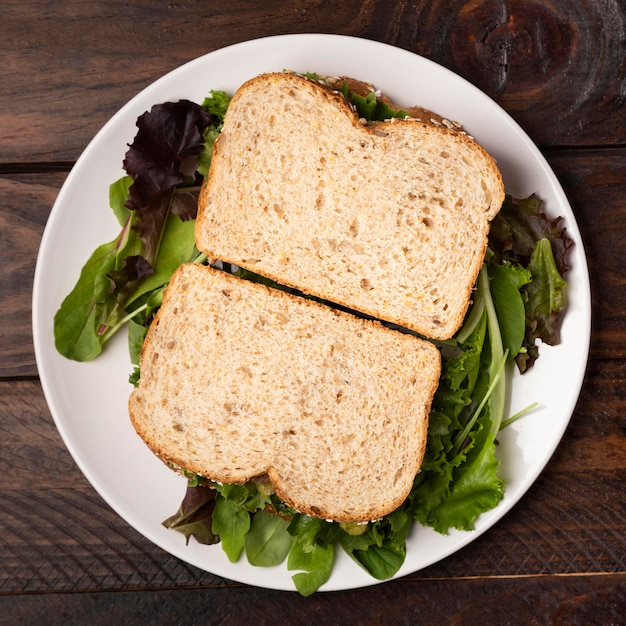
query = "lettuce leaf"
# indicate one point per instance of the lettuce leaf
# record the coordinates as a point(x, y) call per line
point(524, 236)
point(473, 489)
point(193, 518)
point(231, 522)
point(459, 462)
point(312, 554)
point(268, 541)
point(370, 108)
point(381, 549)
point(169, 137)
point(313, 562)
point(546, 295)
point(506, 283)
point(518, 226)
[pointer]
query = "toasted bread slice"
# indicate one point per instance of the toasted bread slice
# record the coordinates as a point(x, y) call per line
point(239, 381)
point(387, 218)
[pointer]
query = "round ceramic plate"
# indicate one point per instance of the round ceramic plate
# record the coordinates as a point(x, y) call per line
point(89, 400)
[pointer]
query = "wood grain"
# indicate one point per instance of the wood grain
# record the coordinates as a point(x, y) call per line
point(594, 182)
point(89, 58)
point(25, 203)
point(557, 600)
point(559, 68)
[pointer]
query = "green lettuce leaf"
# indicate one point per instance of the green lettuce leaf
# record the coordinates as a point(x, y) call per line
point(507, 281)
point(516, 232)
point(545, 305)
point(381, 549)
point(268, 541)
point(370, 108)
point(315, 562)
point(83, 319)
point(231, 524)
point(475, 487)
point(312, 553)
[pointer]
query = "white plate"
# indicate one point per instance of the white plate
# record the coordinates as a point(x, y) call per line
point(88, 400)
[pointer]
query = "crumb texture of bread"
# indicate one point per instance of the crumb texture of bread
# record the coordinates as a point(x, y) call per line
point(388, 218)
point(239, 380)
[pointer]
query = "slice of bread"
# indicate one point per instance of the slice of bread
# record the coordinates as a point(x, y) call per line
point(387, 218)
point(239, 381)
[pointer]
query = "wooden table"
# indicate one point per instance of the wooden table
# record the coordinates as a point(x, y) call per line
point(559, 68)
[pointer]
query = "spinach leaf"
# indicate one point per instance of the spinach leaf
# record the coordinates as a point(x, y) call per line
point(506, 282)
point(83, 318)
point(312, 552)
point(268, 542)
point(315, 562)
point(381, 549)
point(231, 523)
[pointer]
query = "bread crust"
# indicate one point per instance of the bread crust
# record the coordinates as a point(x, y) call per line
point(336, 416)
point(425, 240)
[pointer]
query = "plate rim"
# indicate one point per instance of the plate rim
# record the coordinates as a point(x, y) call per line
point(317, 38)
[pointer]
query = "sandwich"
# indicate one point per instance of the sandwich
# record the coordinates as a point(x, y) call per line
point(388, 220)
point(263, 377)
point(244, 382)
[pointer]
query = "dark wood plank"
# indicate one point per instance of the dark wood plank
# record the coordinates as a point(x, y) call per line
point(556, 600)
point(58, 534)
point(25, 203)
point(558, 67)
point(89, 58)
point(31, 444)
point(595, 183)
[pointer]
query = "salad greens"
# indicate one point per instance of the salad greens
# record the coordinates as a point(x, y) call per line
point(520, 298)
point(149, 203)
point(522, 235)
